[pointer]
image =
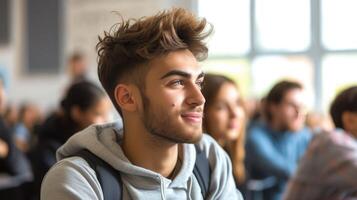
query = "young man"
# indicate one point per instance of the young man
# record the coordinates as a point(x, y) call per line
point(150, 71)
point(328, 170)
point(275, 145)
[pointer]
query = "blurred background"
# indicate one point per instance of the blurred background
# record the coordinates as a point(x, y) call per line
point(256, 42)
point(45, 45)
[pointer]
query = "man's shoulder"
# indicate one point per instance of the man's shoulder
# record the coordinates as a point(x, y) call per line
point(71, 167)
point(207, 144)
point(221, 170)
point(213, 151)
point(69, 178)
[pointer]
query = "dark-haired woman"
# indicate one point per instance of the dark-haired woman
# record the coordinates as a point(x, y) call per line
point(84, 104)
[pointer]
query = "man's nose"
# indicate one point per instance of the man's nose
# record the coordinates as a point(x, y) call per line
point(195, 96)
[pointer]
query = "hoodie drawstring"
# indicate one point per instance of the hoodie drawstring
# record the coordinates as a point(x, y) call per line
point(189, 188)
point(162, 185)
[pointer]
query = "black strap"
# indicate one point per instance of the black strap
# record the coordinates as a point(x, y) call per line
point(202, 171)
point(108, 177)
point(111, 183)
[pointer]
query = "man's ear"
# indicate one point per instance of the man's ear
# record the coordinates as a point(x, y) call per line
point(124, 97)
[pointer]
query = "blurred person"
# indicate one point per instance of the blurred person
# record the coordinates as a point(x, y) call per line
point(15, 169)
point(3, 97)
point(83, 105)
point(77, 67)
point(275, 144)
point(328, 169)
point(149, 68)
point(225, 120)
point(29, 118)
point(11, 116)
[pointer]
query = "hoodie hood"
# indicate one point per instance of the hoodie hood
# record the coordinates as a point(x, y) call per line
point(104, 141)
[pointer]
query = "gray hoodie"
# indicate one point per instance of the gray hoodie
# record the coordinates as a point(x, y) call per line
point(73, 178)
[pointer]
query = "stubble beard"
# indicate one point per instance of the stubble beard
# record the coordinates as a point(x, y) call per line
point(159, 124)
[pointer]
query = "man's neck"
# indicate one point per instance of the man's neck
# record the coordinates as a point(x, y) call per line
point(149, 151)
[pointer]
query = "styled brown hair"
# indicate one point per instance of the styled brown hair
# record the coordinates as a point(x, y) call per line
point(129, 45)
point(345, 101)
point(277, 94)
point(212, 85)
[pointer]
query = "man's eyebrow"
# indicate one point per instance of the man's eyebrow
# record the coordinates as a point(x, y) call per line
point(176, 73)
point(202, 74)
point(181, 73)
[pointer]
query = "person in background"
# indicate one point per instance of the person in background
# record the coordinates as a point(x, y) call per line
point(11, 116)
point(83, 105)
point(225, 120)
point(29, 119)
point(77, 67)
point(15, 170)
point(328, 169)
point(275, 145)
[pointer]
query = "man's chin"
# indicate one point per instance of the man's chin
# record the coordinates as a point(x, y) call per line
point(192, 137)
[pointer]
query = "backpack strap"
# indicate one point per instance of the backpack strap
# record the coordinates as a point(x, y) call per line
point(112, 185)
point(108, 177)
point(202, 171)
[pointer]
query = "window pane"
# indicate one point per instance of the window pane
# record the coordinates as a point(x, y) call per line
point(236, 69)
point(338, 24)
point(338, 72)
point(230, 19)
point(283, 24)
point(268, 70)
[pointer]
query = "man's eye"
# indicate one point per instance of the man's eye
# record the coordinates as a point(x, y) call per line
point(200, 84)
point(177, 82)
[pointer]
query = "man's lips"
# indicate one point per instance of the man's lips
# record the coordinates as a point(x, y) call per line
point(194, 117)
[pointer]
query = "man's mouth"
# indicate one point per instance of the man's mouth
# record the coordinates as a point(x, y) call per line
point(192, 117)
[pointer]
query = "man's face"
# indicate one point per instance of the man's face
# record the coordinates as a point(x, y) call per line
point(172, 106)
point(289, 114)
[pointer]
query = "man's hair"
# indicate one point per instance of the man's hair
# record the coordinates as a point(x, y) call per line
point(345, 101)
point(277, 94)
point(129, 45)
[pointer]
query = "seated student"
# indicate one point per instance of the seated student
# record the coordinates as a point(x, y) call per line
point(84, 104)
point(225, 120)
point(11, 116)
point(328, 169)
point(275, 145)
point(15, 169)
point(149, 67)
point(24, 132)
